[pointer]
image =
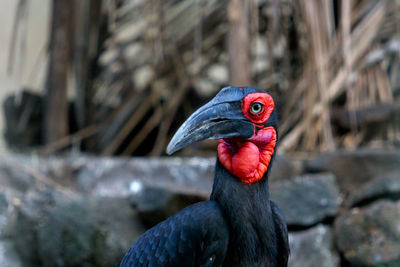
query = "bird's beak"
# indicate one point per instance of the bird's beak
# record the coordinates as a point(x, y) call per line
point(217, 119)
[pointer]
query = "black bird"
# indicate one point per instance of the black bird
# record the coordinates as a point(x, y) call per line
point(239, 225)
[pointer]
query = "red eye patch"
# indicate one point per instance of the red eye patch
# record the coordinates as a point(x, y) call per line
point(256, 99)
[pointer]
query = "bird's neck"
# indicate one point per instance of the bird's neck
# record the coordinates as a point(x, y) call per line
point(248, 212)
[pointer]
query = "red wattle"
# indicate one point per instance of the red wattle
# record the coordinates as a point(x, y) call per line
point(248, 160)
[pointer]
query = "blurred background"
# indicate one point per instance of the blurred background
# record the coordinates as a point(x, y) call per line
point(85, 81)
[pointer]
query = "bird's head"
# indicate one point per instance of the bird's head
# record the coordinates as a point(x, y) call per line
point(245, 122)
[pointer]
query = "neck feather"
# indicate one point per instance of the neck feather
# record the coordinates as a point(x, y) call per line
point(248, 212)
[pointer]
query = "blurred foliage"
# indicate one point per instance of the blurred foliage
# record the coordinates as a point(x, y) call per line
point(139, 68)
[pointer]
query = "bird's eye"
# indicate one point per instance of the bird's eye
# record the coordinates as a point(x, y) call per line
point(256, 108)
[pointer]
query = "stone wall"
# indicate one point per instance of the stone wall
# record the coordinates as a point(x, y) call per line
point(342, 209)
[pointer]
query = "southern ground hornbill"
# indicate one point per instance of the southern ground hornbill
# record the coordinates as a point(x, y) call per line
point(239, 225)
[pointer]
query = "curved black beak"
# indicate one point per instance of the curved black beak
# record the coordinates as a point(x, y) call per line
point(217, 119)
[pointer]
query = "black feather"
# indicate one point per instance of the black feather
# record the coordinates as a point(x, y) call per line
point(196, 236)
point(256, 238)
point(282, 234)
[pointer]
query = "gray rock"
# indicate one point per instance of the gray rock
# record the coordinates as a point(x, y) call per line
point(159, 188)
point(93, 231)
point(284, 168)
point(8, 256)
point(355, 168)
point(312, 248)
point(307, 199)
point(13, 178)
point(387, 186)
point(370, 236)
point(4, 212)
point(29, 212)
point(113, 176)
point(122, 177)
point(157, 204)
point(48, 226)
point(17, 231)
point(24, 236)
point(21, 173)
